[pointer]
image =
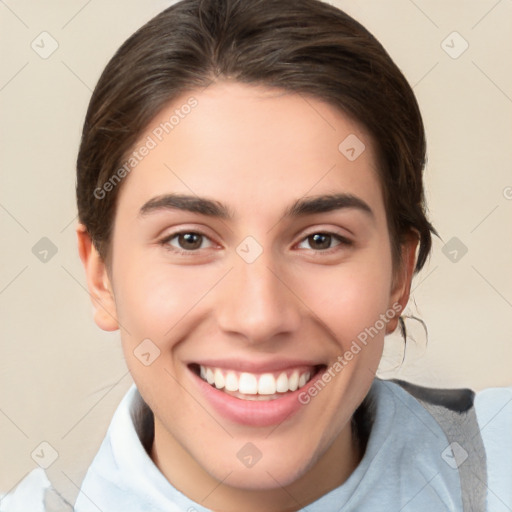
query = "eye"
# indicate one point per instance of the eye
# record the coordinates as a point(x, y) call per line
point(321, 241)
point(186, 241)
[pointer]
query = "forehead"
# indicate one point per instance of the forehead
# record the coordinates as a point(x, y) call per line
point(252, 147)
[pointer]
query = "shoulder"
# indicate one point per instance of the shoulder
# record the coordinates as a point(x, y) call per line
point(478, 428)
point(458, 400)
point(493, 408)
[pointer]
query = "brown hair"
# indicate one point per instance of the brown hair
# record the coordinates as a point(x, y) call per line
point(303, 46)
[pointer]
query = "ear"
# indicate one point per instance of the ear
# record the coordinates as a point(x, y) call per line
point(401, 287)
point(98, 282)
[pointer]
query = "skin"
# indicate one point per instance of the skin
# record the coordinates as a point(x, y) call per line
point(257, 150)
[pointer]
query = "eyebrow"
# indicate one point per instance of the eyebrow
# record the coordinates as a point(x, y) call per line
point(212, 208)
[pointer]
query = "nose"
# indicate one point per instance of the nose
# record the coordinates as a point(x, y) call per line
point(257, 302)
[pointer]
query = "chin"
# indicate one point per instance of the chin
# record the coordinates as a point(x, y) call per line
point(276, 472)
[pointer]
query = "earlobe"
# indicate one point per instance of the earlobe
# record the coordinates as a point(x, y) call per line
point(402, 283)
point(98, 282)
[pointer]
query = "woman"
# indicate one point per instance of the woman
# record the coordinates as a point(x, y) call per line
point(251, 207)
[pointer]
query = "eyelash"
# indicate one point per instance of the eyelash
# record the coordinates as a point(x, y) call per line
point(183, 252)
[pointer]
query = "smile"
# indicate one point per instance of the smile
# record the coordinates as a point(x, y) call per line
point(253, 394)
point(256, 386)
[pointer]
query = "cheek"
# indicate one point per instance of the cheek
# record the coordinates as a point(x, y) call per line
point(145, 302)
point(153, 299)
point(349, 298)
point(156, 302)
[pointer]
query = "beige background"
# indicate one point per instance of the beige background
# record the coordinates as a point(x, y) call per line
point(61, 377)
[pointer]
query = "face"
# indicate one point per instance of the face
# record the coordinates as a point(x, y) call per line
point(251, 252)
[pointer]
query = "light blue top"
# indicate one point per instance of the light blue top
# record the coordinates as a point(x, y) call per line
point(405, 467)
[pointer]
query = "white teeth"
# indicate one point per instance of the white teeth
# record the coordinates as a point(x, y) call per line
point(248, 384)
point(209, 376)
point(251, 384)
point(231, 382)
point(267, 384)
point(281, 383)
point(219, 379)
point(293, 381)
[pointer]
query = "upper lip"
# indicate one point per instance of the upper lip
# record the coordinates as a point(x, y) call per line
point(251, 366)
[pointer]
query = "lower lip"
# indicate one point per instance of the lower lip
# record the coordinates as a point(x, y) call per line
point(255, 413)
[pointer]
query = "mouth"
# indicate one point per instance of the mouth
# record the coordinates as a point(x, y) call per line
point(253, 394)
point(250, 386)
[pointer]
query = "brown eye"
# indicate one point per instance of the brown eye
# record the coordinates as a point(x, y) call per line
point(186, 241)
point(320, 241)
point(189, 241)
